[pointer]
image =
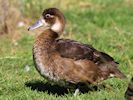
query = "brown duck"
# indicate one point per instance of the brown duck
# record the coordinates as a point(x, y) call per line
point(67, 61)
point(129, 91)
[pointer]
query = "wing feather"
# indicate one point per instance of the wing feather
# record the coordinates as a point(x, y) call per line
point(75, 50)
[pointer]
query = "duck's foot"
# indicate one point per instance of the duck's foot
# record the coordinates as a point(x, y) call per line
point(76, 92)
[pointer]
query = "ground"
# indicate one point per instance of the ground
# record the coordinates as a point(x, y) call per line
point(107, 25)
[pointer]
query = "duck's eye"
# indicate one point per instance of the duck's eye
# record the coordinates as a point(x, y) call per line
point(47, 15)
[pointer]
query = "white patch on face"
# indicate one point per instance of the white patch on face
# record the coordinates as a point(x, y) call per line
point(56, 27)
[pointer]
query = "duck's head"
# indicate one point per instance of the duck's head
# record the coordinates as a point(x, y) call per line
point(52, 18)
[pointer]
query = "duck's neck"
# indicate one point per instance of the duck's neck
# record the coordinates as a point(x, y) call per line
point(46, 38)
point(44, 44)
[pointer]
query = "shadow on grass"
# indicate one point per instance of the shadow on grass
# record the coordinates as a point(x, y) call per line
point(56, 89)
point(46, 87)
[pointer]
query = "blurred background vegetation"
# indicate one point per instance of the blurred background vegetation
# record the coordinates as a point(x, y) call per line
point(106, 24)
point(13, 11)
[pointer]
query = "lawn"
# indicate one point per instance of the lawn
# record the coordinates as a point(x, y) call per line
point(105, 24)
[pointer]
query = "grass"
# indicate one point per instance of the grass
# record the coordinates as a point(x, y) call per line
point(107, 25)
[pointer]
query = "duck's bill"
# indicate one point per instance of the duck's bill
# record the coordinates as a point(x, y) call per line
point(38, 24)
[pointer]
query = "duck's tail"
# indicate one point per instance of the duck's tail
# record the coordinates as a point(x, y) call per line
point(110, 69)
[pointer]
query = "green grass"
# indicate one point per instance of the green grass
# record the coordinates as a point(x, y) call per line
point(106, 24)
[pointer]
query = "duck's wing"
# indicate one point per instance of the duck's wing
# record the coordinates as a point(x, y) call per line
point(75, 50)
point(78, 51)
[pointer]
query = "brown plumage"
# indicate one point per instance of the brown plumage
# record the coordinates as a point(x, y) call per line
point(129, 91)
point(75, 50)
point(64, 60)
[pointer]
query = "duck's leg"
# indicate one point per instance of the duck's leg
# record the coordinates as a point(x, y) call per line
point(76, 92)
point(78, 88)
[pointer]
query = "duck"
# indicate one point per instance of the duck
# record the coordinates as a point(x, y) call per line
point(66, 61)
point(129, 91)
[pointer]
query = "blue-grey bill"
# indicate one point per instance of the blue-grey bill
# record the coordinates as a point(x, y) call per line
point(38, 24)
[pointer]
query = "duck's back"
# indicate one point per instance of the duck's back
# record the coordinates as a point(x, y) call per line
point(75, 50)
